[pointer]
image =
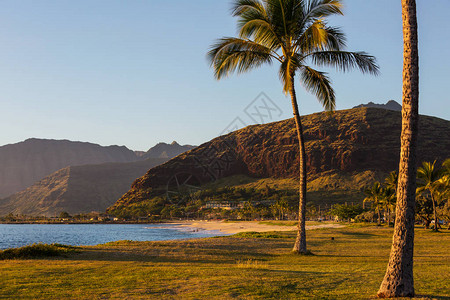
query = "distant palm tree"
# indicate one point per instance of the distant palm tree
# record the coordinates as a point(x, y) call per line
point(398, 280)
point(391, 183)
point(388, 199)
point(392, 180)
point(375, 195)
point(292, 33)
point(446, 167)
point(433, 181)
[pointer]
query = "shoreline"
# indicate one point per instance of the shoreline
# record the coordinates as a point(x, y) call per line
point(246, 226)
point(223, 227)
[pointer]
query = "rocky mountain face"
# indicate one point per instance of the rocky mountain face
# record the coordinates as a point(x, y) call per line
point(24, 163)
point(164, 150)
point(391, 105)
point(77, 189)
point(346, 142)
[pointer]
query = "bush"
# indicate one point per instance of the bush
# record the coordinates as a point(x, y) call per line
point(345, 211)
point(36, 250)
point(367, 216)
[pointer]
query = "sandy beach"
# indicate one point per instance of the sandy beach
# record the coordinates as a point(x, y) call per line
point(245, 226)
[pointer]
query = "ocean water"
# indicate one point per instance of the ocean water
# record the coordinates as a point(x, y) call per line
point(17, 235)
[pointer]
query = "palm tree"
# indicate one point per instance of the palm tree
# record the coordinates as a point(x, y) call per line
point(375, 195)
point(392, 180)
point(446, 167)
point(292, 33)
point(391, 192)
point(398, 280)
point(388, 199)
point(433, 181)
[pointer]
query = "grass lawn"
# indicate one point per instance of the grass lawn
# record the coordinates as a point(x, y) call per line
point(349, 267)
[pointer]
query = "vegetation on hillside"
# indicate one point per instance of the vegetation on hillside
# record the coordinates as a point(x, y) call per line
point(244, 198)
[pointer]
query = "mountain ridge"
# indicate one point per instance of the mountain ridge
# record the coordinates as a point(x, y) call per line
point(77, 189)
point(390, 105)
point(24, 163)
point(354, 140)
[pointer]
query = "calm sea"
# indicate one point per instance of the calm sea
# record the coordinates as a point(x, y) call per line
point(12, 235)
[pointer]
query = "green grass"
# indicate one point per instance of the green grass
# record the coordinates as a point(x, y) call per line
point(280, 223)
point(293, 223)
point(242, 266)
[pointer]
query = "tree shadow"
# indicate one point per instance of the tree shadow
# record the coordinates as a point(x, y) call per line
point(359, 235)
point(426, 297)
point(159, 255)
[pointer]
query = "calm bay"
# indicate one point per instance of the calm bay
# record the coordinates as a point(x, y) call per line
point(17, 235)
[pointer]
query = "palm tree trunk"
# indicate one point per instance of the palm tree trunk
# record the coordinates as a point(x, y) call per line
point(379, 218)
point(389, 217)
point(300, 241)
point(398, 280)
point(435, 214)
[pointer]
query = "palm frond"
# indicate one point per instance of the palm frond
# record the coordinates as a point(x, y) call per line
point(319, 84)
point(392, 180)
point(322, 8)
point(336, 39)
point(446, 166)
point(287, 71)
point(314, 38)
point(244, 6)
point(344, 61)
point(428, 173)
point(255, 27)
point(279, 14)
point(234, 54)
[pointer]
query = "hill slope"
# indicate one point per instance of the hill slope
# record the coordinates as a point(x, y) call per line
point(77, 189)
point(24, 163)
point(345, 143)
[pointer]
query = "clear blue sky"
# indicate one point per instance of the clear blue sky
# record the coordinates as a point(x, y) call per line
point(135, 73)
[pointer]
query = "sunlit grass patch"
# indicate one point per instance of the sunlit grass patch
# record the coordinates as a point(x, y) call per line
point(251, 263)
point(279, 223)
point(119, 243)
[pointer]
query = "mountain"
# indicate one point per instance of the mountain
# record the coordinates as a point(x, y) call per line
point(352, 146)
point(164, 150)
point(390, 105)
point(77, 189)
point(24, 163)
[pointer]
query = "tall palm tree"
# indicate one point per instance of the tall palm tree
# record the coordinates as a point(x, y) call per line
point(432, 181)
point(398, 280)
point(292, 33)
point(375, 195)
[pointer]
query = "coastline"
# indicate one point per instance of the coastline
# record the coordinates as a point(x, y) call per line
point(246, 226)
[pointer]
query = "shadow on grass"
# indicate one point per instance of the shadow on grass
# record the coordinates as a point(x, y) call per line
point(358, 235)
point(205, 251)
point(262, 235)
point(431, 297)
